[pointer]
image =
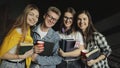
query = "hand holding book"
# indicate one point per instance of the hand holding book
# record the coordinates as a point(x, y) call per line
point(90, 55)
point(83, 54)
point(44, 48)
point(93, 54)
point(24, 47)
point(39, 46)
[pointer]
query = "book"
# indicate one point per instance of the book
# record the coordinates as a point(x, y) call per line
point(67, 44)
point(93, 54)
point(48, 49)
point(24, 47)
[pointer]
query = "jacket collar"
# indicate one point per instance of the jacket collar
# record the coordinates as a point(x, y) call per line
point(49, 33)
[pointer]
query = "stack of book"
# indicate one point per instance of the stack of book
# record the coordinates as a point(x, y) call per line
point(67, 44)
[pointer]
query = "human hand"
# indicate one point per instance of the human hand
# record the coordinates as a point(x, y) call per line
point(28, 53)
point(34, 56)
point(61, 52)
point(38, 49)
point(91, 62)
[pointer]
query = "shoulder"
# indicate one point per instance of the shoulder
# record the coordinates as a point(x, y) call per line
point(98, 34)
point(51, 31)
point(15, 31)
point(58, 32)
point(35, 28)
point(77, 33)
point(54, 34)
point(19, 30)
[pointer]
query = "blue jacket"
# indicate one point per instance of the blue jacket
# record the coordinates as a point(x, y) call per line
point(48, 61)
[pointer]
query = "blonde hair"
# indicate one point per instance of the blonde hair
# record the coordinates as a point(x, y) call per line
point(54, 9)
point(21, 21)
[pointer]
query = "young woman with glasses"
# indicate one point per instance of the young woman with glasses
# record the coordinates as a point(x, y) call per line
point(67, 31)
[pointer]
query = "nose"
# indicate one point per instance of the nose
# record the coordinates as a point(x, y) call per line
point(34, 19)
point(51, 20)
point(82, 21)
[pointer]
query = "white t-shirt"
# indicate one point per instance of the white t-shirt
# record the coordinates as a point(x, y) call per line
point(13, 50)
point(75, 35)
point(41, 33)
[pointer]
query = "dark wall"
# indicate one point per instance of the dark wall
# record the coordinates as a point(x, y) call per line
point(9, 10)
point(105, 17)
point(110, 27)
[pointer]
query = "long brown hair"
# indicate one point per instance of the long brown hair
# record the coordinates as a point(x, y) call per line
point(21, 21)
point(90, 29)
point(62, 26)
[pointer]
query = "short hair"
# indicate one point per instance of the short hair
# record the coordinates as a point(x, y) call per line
point(54, 9)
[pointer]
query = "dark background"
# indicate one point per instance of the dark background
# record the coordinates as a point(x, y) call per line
point(105, 15)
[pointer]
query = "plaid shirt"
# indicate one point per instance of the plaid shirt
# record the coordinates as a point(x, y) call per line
point(100, 42)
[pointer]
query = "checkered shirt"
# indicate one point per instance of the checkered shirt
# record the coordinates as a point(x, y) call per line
point(100, 42)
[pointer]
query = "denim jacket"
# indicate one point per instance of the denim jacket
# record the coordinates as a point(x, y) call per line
point(48, 61)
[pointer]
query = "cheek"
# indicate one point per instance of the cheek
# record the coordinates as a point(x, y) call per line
point(36, 20)
point(78, 23)
point(28, 18)
point(86, 25)
point(46, 20)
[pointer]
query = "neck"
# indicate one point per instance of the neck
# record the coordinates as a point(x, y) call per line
point(67, 28)
point(84, 32)
point(44, 28)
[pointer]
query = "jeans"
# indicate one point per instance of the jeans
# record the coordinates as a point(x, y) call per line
point(71, 64)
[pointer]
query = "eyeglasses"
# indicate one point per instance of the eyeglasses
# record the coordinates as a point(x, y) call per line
point(52, 18)
point(68, 18)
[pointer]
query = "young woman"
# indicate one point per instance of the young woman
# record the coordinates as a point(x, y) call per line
point(19, 33)
point(67, 31)
point(93, 39)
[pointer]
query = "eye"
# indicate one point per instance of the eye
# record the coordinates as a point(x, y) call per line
point(84, 18)
point(68, 18)
point(31, 14)
point(37, 16)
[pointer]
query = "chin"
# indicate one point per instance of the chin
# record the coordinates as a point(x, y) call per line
point(31, 24)
point(49, 26)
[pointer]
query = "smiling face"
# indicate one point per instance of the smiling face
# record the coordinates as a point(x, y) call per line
point(50, 19)
point(68, 19)
point(82, 21)
point(32, 17)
